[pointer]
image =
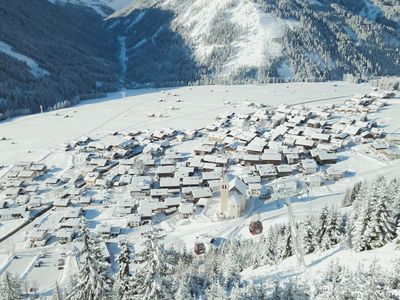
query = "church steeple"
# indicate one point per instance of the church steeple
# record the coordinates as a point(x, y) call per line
point(224, 192)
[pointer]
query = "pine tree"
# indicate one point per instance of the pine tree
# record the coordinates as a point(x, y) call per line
point(381, 228)
point(285, 244)
point(93, 281)
point(322, 225)
point(10, 288)
point(216, 291)
point(361, 240)
point(183, 292)
point(347, 201)
point(123, 281)
point(308, 235)
point(153, 280)
point(230, 270)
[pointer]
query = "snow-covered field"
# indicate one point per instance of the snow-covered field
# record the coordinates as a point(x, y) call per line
point(39, 138)
point(33, 137)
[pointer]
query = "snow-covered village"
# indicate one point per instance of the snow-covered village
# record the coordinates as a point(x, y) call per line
point(245, 202)
point(198, 149)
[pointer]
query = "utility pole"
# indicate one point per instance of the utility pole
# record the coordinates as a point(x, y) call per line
point(298, 247)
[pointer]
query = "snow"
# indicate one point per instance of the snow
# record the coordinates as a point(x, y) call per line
point(43, 134)
point(96, 4)
point(370, 11)
point(258, 39)
point(318, 263)
point(33, 66)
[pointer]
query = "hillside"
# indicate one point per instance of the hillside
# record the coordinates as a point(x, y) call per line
point(264, 41)
point(68, 43)
point(52, 52)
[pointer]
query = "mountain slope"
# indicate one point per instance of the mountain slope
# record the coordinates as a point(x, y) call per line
point(52, 51)
point(69, 43)
point(259, 40)
point(102, 7)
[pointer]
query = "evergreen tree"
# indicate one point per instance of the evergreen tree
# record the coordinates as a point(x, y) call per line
point(93, 281)
point(347, 201)
point(10, 288)
point(322, 227)
point(183, 292)
point(308, 235)
point(124, 279)
point(152, 280)
point(216, 291)
point(381, 228)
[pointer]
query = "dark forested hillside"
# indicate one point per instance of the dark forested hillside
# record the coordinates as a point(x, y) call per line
point(69, 42)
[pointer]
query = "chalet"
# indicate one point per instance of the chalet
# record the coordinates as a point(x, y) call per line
point(250, 159)
point(305, 143)
point(91, 177)
point(333, 174)
point(22, 199)
point(53, 181)
point(286, 188)
point(104, 230)
point(251, 179)
point(186, 209)
point(13, 213)
point(292, 158)
point(379, 145)
point(321, 137)
point(326, 158)
point(170, 182)
point(26, 174)
point(271, 157)
point(165, 171)
point(314, 123)
point(69, 223)
point(145, 210)
point(134, 220)
point(214, 185)
point(284, 170)
point(38, 237)
point(141, 185)
point(159, 193)
point(267, 171)
point(34, 204)
point(65, 235)
point(314, 180)
point(62, 202)
point(201, 192)
point(309, 166)
point(191, 181)
point(13, 192)
point(204, 149)
point(254, 190)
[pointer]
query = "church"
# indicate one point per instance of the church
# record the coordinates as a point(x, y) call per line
point(233, 197)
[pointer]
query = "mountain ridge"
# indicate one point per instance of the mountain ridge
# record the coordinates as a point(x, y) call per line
point(96, 46)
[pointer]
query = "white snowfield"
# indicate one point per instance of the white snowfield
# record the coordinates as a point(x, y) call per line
point(39, 138)
point(39, 134)
point(33, 66)
point(258, 32)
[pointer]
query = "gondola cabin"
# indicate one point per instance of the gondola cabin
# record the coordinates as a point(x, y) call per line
point(199, 247)
point(256, 227)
